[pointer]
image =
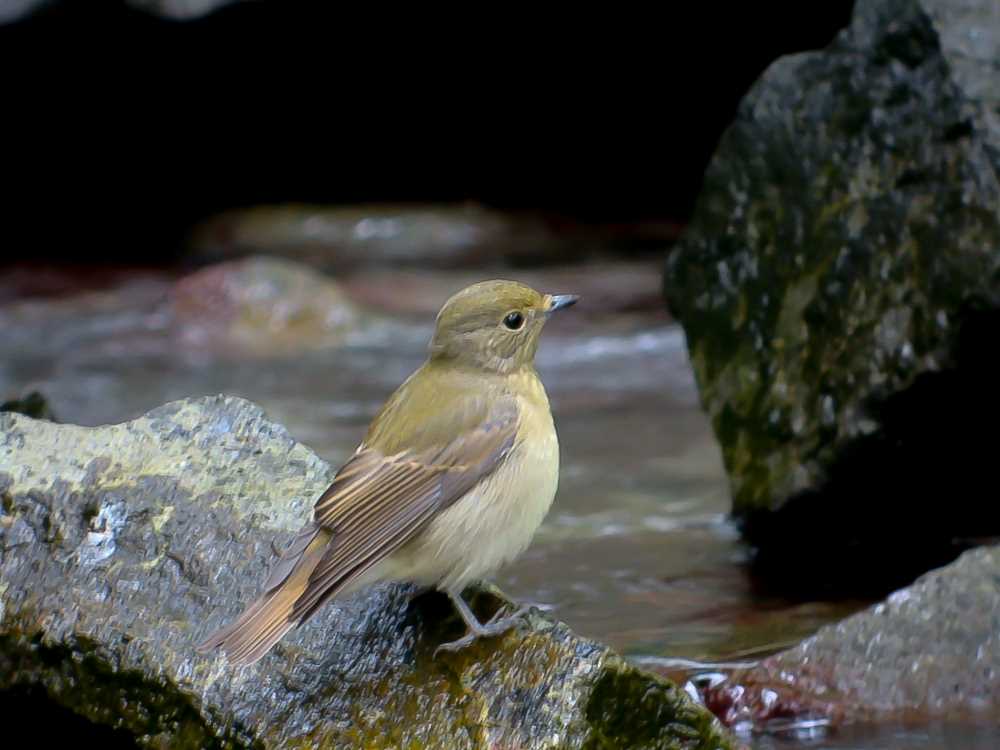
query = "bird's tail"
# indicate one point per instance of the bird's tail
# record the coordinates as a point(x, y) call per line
point(267, 619)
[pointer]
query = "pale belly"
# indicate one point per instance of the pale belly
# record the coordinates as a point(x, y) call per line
point(491, 525)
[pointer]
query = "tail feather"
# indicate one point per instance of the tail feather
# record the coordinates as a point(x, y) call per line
point(269, 617)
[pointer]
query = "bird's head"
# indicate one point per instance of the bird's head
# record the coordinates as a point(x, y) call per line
point(494, 325)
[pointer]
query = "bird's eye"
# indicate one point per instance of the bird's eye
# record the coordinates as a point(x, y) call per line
point(514, 321)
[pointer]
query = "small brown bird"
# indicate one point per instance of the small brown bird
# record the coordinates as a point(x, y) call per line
point(452, 480)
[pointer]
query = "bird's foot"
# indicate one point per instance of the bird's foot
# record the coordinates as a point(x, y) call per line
point(512, 620)
point(497, 625)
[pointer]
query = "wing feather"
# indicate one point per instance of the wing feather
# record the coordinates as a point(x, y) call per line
point(386, 500)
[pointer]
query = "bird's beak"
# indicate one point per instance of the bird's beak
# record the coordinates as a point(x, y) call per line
point(559, 301)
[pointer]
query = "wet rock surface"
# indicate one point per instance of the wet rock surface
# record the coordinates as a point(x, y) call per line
point(930, 651)
point(122, 546)
point(837, 287)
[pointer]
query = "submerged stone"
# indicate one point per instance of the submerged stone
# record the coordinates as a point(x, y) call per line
point(261, 305)
point(836, 285)
point(930, 651)
point(122, 546)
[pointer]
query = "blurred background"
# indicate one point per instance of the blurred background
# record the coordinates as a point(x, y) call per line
point(272, 199)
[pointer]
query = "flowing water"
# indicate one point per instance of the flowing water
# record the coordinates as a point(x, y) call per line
point(637, 551)
point(939, 737)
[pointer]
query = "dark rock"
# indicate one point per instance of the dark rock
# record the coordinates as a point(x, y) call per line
point(122, 546)
point(835, 285)
point(34, 405)
point(930, 651)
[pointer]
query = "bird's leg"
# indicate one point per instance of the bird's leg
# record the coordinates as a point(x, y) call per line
point(512, 619)
point(496, 626)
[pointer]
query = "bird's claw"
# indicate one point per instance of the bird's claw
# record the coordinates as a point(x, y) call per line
point(453, 646)
point(496, 626)
point(519, 614)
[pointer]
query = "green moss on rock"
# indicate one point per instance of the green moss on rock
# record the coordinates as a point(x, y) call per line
point(849, 214)
point(634, 709)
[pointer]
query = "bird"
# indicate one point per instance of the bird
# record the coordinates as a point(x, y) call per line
point(453, 478)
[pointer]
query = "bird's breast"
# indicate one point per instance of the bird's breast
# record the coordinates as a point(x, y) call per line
point(495, 521)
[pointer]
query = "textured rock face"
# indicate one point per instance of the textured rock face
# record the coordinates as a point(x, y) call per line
point(847, 232)
point(848, 212)
point(122, 546)
point(931, 650)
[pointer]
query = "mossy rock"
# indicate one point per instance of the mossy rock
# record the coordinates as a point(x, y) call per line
point(847, 231)
point(122, 546)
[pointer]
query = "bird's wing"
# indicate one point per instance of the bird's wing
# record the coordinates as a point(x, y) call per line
point(379, 502)
point(436, 437)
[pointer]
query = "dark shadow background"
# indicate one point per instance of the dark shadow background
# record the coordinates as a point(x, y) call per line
point(910, 497)
point(121, 129)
